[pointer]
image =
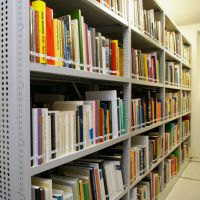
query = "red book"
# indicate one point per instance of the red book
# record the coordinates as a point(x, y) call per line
point(87, 45)
point(50, 36)
point(37, 36)
point(114, 59)
point(101, 113)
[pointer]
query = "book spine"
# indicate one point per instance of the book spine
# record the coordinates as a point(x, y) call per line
point(50, 36)
point(40, 6)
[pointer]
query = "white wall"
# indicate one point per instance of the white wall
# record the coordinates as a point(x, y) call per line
point(192, 32)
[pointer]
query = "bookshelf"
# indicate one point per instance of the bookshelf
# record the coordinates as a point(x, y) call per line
point(18, 74)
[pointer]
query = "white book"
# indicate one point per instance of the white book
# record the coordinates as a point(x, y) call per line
point(57, 132)
point(86, 124)
point(48, 139)
point(90, 50)
point(92, 121)
point(133, 194)
point(104, 60)
point(45, 134)
point(118, 176)
point(72, 130)
point(102, 186)
point(109, 176)
point(35, 135)
point(66, 132)
point(75, 43)
point(84, 43)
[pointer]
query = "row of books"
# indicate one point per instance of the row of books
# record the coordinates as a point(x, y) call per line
point(145, 66)
point(145, 110)
point(117, 6)
point(186, 78)
point(186, 54)
point(171, 166)
point(89, 179)
point(70, 42)
point(69, 126)
point(172, 42)
point(185, 126)
point(185, 151)
point(138, 161)
point(172, 73)
point(146, 150)
point(172, 104)
point(186, 101)
point(148, 188)
point(146, 20)
point(171, 136)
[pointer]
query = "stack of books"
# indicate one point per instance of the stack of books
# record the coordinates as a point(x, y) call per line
point(138, 159)
point(69, 126)
point(146, 20)
point(172, 42)
point(185, 126)
point(145, 66)
point(172, 73)
point(186, 54)
point(145, 110)
point(117, 6)
point(83, 179)
point(154, 143)
point(186, 78)
point(185, 151)
point(172, 104)
point(171, 166)
point(148, 188)
point(171, 136)
point(70, 42)
point(186, 102)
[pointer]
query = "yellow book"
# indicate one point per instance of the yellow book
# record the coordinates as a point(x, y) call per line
point(56, 26)
point(146, 67)
point(132, 167)
point(121, 61)
point(81, 189)
point(157, 186)
point(40, 6)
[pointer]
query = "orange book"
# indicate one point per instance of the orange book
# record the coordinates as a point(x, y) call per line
point(50, 36)
point(158, 111)
point(101, 125)
point(114, 48)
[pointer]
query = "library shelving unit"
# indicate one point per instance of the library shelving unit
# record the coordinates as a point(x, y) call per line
point(18, 74)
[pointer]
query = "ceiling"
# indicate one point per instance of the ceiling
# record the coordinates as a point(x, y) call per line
point(182, 12)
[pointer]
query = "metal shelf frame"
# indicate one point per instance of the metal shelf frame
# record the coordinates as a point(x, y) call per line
point(17, 73)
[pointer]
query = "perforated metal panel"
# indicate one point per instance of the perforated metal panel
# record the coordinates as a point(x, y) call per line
point(4, 110)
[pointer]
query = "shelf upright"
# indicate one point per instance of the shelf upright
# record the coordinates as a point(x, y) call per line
point(14, 101)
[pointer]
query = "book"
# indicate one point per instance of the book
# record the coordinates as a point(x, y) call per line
point(50, 37)
point(40, 6)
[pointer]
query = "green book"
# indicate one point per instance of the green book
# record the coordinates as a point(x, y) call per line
point(86, 191)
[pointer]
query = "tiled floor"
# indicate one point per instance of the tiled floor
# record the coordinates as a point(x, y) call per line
point(188, 185)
